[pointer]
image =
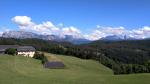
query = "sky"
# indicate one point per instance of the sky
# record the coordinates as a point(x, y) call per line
point(91, 19)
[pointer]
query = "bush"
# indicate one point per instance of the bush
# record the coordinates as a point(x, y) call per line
point(40, 56)
point(10, 51)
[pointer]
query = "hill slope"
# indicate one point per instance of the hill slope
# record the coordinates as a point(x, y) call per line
point(22, 70)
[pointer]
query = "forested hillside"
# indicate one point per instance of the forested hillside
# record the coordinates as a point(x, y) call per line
point(123, 57)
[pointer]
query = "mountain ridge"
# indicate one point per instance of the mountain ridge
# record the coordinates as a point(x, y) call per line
point(24, 35)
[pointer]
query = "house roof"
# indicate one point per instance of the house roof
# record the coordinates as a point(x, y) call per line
point(4, 47)
point(54, 64)
point(25, 48)
point(19, 48)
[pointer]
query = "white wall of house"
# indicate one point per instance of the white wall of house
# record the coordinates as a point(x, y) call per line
point(27, 54)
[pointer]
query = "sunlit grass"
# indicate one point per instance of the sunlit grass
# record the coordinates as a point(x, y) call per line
point(24, 70)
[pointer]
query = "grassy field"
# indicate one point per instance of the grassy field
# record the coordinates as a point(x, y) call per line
point(23, 70)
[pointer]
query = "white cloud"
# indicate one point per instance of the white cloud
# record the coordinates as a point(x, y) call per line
point(25, 23)
point(112, 30)
point(146, 29)
point(72, 31)
point(141, 32)
point(101, 32)
point(1, 33)
point(137, 32)
point(4, 29)
point(95, 35)
point(47, 27)
point(22, 20)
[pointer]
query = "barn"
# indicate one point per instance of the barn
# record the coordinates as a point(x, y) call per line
point(54, 65)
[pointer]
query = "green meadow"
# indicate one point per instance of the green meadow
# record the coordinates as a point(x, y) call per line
point(24, 70)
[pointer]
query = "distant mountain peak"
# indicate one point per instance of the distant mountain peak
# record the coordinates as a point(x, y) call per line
point(118, 38)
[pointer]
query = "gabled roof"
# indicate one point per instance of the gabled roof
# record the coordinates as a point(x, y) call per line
point(4, 47)
point(19, 48)
point(25, 48)
point(54, 65)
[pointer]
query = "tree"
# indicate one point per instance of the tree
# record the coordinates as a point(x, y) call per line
point(38, 55)
point(10, 51)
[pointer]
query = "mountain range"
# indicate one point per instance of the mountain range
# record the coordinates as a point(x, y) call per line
point(65, 38)
point(24, 35)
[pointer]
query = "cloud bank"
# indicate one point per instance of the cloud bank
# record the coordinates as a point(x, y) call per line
point(101, 32)
point(25, 23)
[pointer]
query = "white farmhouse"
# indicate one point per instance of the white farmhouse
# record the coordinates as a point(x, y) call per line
point(27, 51)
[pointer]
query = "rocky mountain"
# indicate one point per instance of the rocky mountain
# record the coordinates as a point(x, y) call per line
point(24, 35)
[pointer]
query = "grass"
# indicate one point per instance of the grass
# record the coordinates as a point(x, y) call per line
point(51, 57)
point(23, 70)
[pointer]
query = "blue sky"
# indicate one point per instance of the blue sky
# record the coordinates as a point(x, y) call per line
point(84, 15)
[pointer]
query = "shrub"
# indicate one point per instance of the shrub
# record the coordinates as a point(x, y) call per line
point(40, 56)
point(10, 51)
